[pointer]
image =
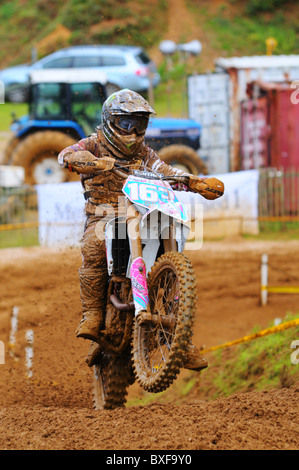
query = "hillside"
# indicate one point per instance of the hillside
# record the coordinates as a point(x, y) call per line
point(225, 28)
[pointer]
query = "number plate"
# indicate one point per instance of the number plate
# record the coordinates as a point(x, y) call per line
point(154, 194)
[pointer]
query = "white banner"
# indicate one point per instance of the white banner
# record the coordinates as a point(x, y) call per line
point(61, 209)
point(60, 213)
point(238, 207)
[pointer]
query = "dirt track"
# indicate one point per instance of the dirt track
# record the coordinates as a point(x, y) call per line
point(54, 409)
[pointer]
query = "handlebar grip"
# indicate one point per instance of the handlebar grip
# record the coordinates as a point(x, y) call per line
point(85, 163)
point(209, 188)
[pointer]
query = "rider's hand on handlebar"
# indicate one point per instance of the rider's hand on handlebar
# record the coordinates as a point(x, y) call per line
point(85, 162)
point(105, 163)
point(209, 188)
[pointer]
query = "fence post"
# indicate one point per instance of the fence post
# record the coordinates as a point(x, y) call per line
point(29, 353)
point(13, 330)
point(2, 353)
point(264, 279)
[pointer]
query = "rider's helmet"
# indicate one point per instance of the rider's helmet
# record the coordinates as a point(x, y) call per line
point(125, 116)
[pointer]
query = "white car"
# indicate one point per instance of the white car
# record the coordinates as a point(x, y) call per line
point(124, 66)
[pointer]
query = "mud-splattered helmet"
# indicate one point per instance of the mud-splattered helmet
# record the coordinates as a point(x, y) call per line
point(125, 117)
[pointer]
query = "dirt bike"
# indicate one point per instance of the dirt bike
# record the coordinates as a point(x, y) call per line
point(151, 277)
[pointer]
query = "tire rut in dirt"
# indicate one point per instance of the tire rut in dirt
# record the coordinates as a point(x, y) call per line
point(174, 297)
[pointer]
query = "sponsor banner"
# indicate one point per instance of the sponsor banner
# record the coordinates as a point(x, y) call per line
point(60, 213)
point(236, 211)
point(61, 209)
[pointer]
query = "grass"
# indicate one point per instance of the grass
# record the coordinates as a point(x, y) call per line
point(261, 364)
point(252, 34)
point(6, 111)
point(106, 22)
point(19, 237)
point(171, 99)
point(276, 230)
point(235, 29)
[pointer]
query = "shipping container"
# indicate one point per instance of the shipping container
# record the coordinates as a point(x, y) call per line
point(254, 133)
point(208, 105)
point(274, 111)
point(274, 115)
point(233, 75)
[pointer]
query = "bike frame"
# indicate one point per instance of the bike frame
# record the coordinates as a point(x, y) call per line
point(155, 220)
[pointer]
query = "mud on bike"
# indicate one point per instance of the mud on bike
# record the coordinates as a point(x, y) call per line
point(151, 292)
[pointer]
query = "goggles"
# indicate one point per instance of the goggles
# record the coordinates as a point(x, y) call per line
point(131, 123)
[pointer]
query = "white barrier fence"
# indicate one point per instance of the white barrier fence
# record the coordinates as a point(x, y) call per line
point(60, 213)
point(61, 209)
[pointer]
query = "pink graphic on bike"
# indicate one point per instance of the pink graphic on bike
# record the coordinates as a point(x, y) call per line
point(139, 284)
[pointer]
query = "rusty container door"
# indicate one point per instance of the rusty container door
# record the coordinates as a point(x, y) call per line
point(284, 120)
point(254, 133)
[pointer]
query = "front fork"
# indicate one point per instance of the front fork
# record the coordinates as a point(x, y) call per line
point(138, 268)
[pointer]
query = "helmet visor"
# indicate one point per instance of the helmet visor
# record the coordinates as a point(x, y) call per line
point(131, 123)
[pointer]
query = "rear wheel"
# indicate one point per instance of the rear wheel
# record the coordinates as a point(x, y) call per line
point(38, 152)
point(158, 348)
point(112, 376)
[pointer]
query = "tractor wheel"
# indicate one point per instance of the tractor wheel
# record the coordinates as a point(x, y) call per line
point(9, 149)
point(184, 158)
point(38, 153)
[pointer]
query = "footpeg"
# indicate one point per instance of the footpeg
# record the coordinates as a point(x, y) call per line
point(144, 318)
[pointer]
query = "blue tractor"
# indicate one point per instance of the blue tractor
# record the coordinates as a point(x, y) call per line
point(64, 107)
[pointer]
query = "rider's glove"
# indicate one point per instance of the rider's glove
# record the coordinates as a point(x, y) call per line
point(209, 188)
point(86, 163)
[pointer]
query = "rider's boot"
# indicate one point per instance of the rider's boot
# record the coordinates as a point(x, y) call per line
point(194, 360)
point(92, 289)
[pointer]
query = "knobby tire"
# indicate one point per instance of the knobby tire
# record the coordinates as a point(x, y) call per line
point(158, 352)
point(112, 376)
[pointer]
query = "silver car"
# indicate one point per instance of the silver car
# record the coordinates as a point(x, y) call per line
point(124, 66)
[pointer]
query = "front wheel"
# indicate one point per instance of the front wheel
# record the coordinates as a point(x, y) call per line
point(158, 349)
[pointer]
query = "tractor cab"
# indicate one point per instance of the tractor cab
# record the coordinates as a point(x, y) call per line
point(65, 106)
point(67, 98)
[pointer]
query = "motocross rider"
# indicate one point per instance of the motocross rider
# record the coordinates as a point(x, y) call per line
point(119, 139)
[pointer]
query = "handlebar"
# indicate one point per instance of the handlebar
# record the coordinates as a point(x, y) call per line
point(100, 166)
point(150, 174)
point(209, 188)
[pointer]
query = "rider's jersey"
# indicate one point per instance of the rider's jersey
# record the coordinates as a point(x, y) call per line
point(107, 186)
